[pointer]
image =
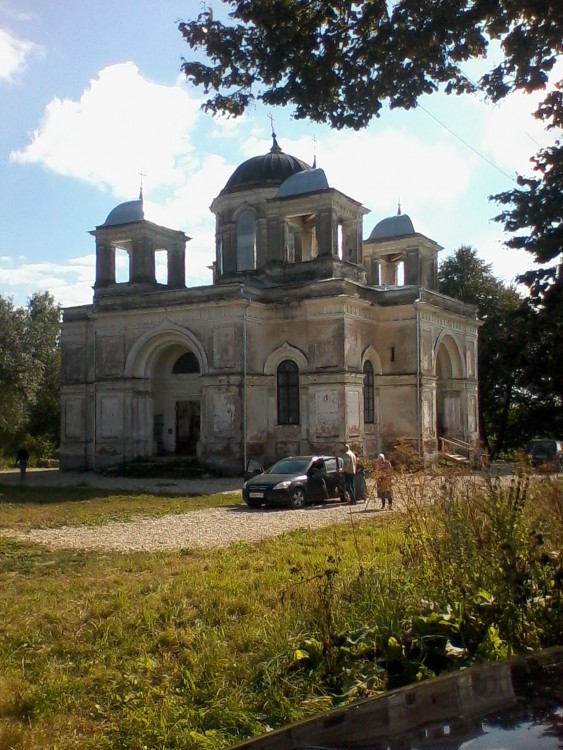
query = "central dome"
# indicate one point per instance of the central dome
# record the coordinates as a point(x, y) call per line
point(269, 170)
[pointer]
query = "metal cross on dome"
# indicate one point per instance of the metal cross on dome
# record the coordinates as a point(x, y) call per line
point(271, 118)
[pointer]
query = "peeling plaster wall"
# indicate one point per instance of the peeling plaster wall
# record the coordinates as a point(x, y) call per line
point(329, 337)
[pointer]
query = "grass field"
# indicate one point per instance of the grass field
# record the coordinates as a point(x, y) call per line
point(205, 648)
point(25, 507)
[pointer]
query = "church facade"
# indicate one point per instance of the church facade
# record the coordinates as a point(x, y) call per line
point(309, 335)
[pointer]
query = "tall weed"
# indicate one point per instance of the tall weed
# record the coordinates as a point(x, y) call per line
point(485, 551)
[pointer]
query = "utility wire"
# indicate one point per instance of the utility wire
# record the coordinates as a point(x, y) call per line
point(468, 145)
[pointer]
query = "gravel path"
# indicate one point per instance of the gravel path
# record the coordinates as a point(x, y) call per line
point(214, 527)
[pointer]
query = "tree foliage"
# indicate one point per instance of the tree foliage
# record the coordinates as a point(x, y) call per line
point(29, 372)
point(534, 215)
point(520, 369)
point(337, 61)
point(502, 341)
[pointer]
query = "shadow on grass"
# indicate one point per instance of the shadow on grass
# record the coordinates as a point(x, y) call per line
point(46, 495)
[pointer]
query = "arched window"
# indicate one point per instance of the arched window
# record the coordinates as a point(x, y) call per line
point(369, 408)
point(186, 364)
point(288, 392)
point(246, 241)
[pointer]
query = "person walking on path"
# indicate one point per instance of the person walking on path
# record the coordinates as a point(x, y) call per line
point(349, 460)
point(384, 481)
point(22, 458)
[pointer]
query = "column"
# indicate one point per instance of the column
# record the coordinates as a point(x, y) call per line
point(177, 265)
point(326, 233)
point(142, 265)
point(105, 263)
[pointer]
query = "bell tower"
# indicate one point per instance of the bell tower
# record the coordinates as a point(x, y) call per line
point(127, 230)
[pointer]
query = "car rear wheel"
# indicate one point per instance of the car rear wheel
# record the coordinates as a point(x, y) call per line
point(297, 498)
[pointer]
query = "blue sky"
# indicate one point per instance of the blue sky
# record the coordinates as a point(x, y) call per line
point(91, 95)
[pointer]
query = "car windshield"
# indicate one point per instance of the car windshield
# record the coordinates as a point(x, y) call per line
point(290, 466)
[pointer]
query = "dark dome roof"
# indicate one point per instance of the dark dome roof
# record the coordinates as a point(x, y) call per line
point(125, 213)
point(269, 170)
point(394, 226)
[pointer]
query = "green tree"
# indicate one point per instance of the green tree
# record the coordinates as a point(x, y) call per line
point(44, 327)
point(503, 344)
point(29, 372)
point(17, 384)
point(337, 61)
point(534, 215)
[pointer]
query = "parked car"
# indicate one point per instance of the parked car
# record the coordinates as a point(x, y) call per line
point(546, 452)
point(295, 481)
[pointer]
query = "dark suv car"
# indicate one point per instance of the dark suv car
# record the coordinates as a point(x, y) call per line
point(294, 481)
point(546, 452)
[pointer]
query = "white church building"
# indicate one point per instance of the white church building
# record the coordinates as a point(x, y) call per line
point(309, 335)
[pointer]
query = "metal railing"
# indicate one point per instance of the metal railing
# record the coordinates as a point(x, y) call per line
point(455, 447)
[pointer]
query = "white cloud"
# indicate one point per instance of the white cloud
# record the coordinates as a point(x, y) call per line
point(383, 166)
point(15, 54)
point(511, 133)
point(188, 206)
point(122, 125)
point(16, 14)
point(69, 283)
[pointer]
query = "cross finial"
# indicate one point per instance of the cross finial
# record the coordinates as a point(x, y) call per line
point(399, 208)
point(275, 146)
point(314, 151)
point(141, 174)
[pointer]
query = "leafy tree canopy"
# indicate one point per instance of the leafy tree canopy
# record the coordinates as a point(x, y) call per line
point(338, 61)
point(29, 371)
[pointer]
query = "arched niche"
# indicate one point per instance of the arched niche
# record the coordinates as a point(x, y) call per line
point(450, 374)
point(149, 348)
point(286, 351)
point(448, 360)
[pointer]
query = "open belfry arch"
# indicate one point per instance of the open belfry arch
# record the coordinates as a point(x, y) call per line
point(308, 336)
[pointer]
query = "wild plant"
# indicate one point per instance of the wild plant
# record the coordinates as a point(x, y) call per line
point(480, 551)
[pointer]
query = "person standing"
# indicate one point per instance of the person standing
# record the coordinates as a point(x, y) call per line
point(22, 458)
point(349, 461)
point(384, 481)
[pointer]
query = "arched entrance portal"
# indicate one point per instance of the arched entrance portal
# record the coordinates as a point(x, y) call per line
point(169, 363)
point(176, 388)
point(449, 384)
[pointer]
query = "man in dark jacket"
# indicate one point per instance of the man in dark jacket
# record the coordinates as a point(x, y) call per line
point(21, 460)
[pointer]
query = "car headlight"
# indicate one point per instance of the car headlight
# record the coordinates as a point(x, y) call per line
point(283, 485)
